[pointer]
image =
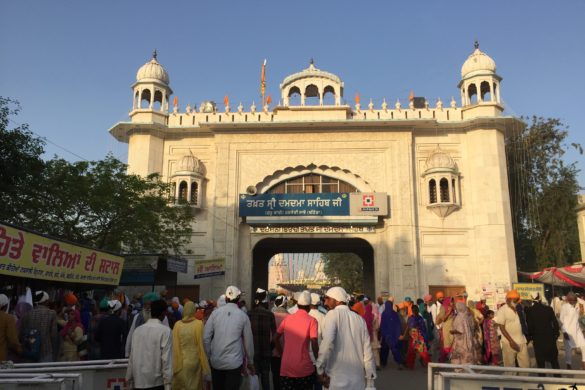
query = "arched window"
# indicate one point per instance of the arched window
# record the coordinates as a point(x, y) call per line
point(312, 95)
point(472, 94)
point(329, 96)
point(311, 183)
point(183, 191)
point(486, 94)
point(444, 189)
point(145, 98)
point(194, 193)
point(294, 96)
point(432, 191)
point(157, 104)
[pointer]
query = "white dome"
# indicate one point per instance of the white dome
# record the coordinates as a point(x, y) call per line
point(152, 70)
point(440, 160)
point(190, 164)
point(311, 72)
point(478, 62)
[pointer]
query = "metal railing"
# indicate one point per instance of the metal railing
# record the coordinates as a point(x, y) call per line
point(443, 376)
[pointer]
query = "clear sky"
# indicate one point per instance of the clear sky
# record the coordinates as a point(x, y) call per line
point(71, 63)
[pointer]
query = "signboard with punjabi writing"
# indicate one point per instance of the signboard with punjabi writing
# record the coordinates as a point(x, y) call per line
point(293, 205)
point(208, 268)
point(31, 255)
point(175, 264)
point(321, 205)
point(524, 289)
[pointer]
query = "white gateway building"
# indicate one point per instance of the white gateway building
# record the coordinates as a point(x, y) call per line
point(418, 190)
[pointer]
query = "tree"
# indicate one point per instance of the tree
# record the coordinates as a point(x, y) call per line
point(346, 269)
point(95, 203)
point(543, 194)
point(20, 162)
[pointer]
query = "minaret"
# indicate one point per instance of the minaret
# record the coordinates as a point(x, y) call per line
point(151, 93)
point(480, 86)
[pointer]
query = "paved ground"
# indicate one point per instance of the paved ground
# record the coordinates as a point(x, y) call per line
point(392, 378)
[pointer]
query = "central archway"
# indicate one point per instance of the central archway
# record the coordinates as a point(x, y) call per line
point(268, 247)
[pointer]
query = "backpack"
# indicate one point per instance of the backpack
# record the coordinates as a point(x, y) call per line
point(31, 344)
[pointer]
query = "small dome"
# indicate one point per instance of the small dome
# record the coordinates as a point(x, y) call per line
point(310, 72)
point(152, 70)
point(478, 62)
point(440, 160)
point(190, 164)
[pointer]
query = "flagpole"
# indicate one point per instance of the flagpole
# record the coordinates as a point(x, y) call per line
point(263, 82)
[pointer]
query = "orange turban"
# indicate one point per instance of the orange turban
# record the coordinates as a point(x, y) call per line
point(512, 294)
point(70, 299)
point(439, 295)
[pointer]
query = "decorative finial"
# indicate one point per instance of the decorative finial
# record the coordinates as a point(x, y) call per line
point(476, 44)
point(312, 61)
point(154, 54)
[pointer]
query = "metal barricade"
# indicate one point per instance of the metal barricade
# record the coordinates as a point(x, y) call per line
point(470, 377)
point(44, 381)
point(95, 374)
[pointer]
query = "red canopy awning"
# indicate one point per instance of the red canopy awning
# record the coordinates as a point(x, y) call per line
point(569, 276)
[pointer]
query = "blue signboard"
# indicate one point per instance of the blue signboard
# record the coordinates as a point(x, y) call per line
point(294, 205)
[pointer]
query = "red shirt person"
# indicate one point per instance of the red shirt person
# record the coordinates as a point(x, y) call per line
point(298, 330)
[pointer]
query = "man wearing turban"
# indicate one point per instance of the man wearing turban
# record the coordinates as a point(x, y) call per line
point(514, 343)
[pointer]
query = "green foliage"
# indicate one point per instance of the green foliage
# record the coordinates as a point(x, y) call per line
point(20, 161)
point(94, 203)
point(543, 194)
point(345, 269)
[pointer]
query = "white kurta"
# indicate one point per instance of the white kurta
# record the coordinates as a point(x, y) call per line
point(569, 319)
point(345, 353)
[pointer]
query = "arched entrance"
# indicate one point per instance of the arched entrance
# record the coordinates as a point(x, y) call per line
point(268, 247)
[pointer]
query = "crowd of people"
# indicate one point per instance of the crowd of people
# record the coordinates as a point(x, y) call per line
point(301, 341)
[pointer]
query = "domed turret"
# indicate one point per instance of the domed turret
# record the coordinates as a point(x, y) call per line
point(478, 62)
point(441, 177)
point(152, 71)
point(479, 83)
point(311, 82)
point(191, 164)
point(151, 90)
point(187, 181)
point(440, 161)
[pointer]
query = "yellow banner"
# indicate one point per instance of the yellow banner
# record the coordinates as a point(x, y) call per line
point(30, 255)
point(207, 268)
point(524, 289)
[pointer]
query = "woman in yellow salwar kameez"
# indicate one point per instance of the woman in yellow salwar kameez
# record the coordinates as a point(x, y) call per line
point(190, 365)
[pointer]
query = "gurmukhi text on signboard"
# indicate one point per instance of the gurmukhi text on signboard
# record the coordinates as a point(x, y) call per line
point(30, 255)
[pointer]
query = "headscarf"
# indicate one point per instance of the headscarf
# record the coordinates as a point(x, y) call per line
point(464, 324)
point(376, 313)
point(189, 311)
point(368, 316)
point(391, 326)
point(72, 324)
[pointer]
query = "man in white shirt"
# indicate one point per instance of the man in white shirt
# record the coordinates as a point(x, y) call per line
point(316, 314)
point(227, 338)
point(570, 313)
point(141, 318)
point(345, 356)
point(514, 345)
point(150, 365)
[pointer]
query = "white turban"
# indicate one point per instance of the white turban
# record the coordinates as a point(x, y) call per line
point(337, 293)
point(304, 298)
point(315, 299)
point(4, 300)
point(114, 305)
